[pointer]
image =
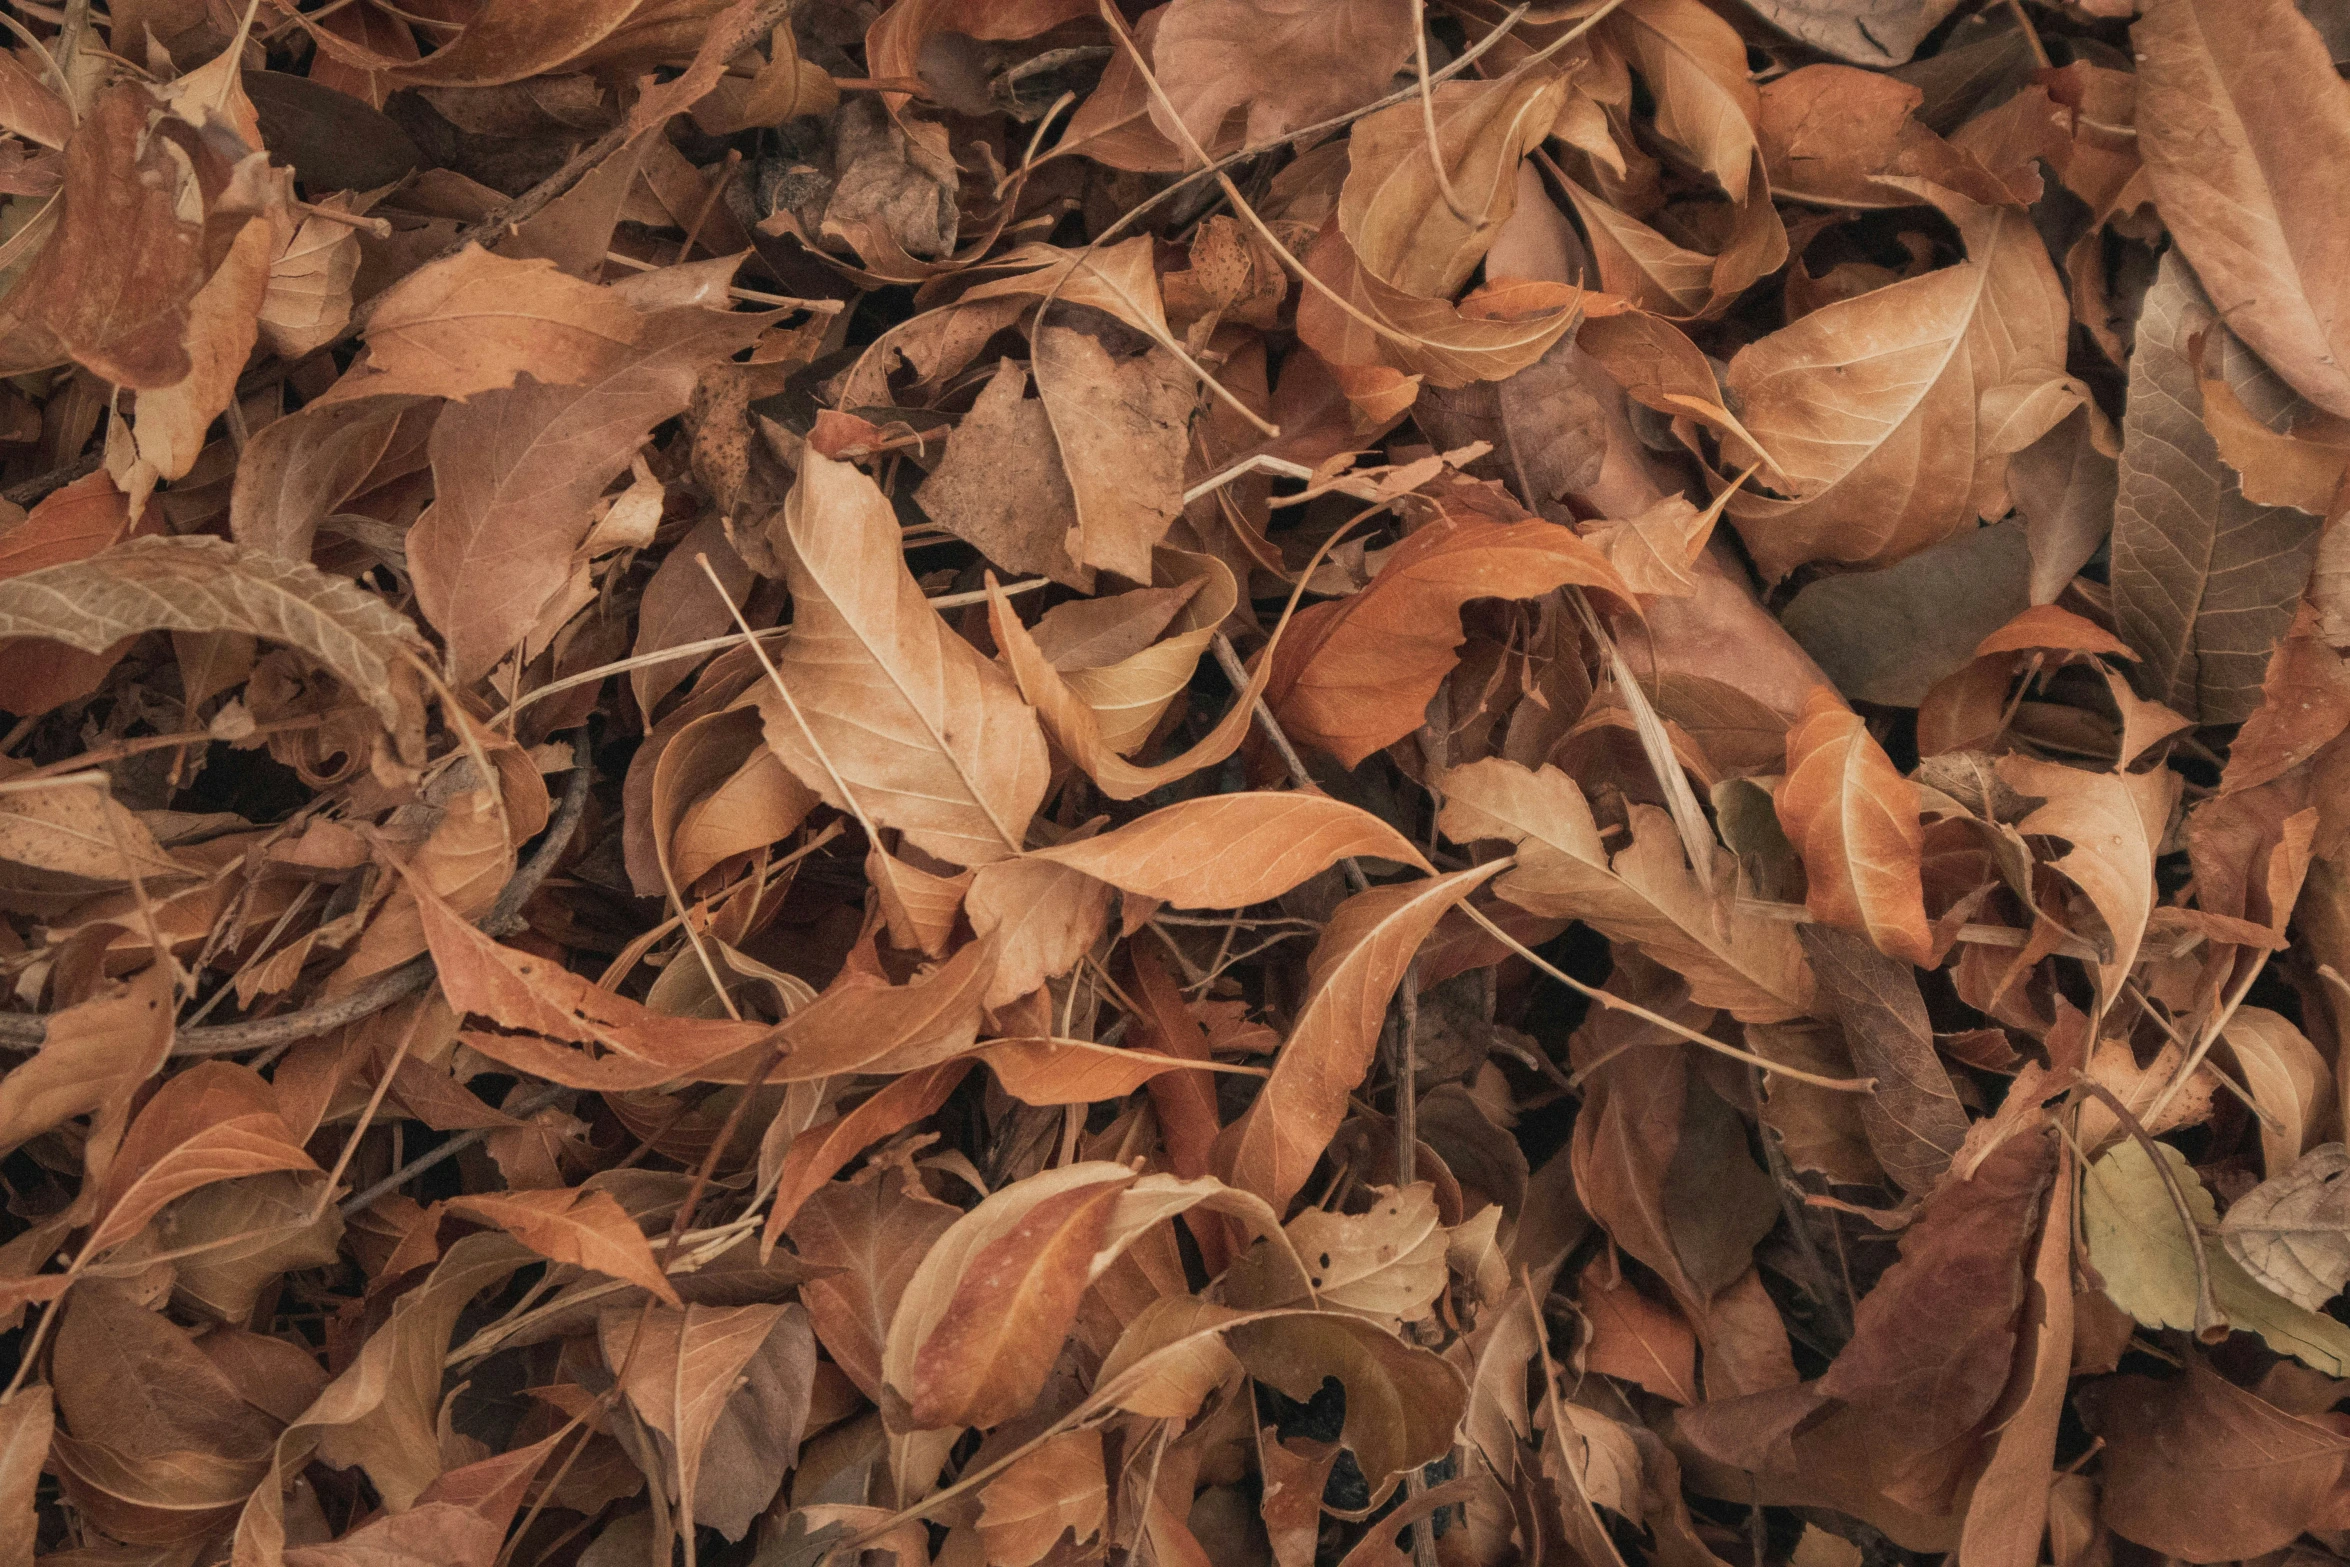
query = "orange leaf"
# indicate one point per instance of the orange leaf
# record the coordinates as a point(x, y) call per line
point(1357, 674)
point(1855, 822)
point(584, 1228)
point(1227, 851)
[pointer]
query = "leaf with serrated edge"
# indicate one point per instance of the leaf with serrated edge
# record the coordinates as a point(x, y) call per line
point(198, 583)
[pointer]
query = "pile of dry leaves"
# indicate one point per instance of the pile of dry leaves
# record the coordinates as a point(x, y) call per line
point(1242, 782)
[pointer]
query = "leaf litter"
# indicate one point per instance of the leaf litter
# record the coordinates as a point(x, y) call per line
point(1297, 782)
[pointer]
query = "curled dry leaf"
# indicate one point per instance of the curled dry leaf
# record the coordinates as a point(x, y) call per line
point(1353, 675)
point(1854, 821)
point(203, 584)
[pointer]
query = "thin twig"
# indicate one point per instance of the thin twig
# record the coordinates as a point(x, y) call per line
point(1615, 1003)
point(448, 1150)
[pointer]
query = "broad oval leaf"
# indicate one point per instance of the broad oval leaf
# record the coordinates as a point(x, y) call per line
point(897, 717)
point(214, 1122)
point(983, 1317)
point(2243, 126)
point(1893, 414)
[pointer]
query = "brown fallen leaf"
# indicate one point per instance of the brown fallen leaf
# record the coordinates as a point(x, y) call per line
point(2204, 582)
point(1284, 62)
point(584, 1228)
point(1645, 893)
point(1893, 414)
point(27, 1418)
point(2202, 1469)
point(1913, 1119)
point(214, 1122)
point(1057, 1488)
point(1354, 674)
point(1854, 821)
point(874, 1232)
point(983, 1317)
point(1229, 851)
point(888, 712)
point(204, 584)
point(516, 469)
point(2292, 1231)
point(1272, 1149)
point(2249, 221)
point(476, 321)
point(679, 1370)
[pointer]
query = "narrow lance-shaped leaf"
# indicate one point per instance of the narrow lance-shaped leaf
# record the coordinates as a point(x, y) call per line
point(1272, 1149)
point(198, 583)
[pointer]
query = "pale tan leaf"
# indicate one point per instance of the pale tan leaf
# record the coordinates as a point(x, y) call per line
point(1121, 419)
point(1392, 209)
point(1647, 895)
point(1066, 709)
point(679, 1369)
point(1893, 414)
point(2115, 823)
point(2292, 1231)
point(1285, 62)
point(2243, 126)
point(94, 1055)
point(472, 322)
point(1388, 1264)
point(586, 1229)
point(1043, 916)
point(2287, 1077)
point(1231, 850)
point(927, 736)
point(1854, 820)
point(517, 470)
point(26, 1419)
point(308, 300)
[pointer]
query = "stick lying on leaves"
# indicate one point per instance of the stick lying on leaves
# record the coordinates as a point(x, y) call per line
point(26, 1031)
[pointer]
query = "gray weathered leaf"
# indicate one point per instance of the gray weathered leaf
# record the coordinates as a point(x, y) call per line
point(2292, 1231)
point(198, 583)
point(1913, 1120)
point(2204, 582)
